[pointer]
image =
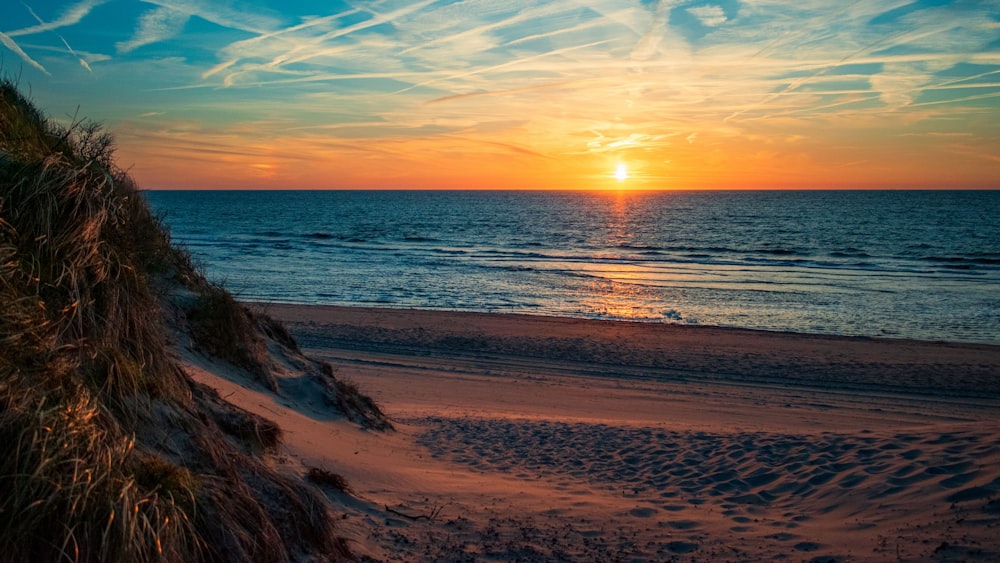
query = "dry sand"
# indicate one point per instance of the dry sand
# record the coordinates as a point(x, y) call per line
point(540, 439)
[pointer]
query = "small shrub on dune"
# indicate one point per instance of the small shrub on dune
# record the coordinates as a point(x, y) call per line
point(251, 514)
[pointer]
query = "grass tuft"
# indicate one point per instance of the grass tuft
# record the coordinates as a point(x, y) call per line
point(357, 406)
point(328, 478)
point(156, 473)
point(261, 434)
point(277, 332)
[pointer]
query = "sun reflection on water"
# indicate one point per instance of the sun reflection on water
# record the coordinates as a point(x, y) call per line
point(610, 299)
point(617, 290)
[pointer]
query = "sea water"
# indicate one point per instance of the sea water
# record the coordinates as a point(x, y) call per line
point(902, 264)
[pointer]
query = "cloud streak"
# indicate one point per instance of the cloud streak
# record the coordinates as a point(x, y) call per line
point(83, 62)
point(8, 42)
point(155, 26)
point(73, 15)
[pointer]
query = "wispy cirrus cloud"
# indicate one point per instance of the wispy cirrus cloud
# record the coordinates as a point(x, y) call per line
point(71, 16)
point(251, 18)
point(155, 26)
point(83, 61)
point(8, 42)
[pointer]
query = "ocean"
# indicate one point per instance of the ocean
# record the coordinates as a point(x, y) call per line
point(899, 264)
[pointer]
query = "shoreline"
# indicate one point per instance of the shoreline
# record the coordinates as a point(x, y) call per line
point(660, 351)
point(265, 304)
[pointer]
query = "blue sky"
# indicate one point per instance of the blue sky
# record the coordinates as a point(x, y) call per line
point(429, 93)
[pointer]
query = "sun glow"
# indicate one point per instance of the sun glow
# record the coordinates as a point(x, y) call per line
point(621, 172)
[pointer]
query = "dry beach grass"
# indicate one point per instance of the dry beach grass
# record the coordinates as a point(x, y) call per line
point(110, 452)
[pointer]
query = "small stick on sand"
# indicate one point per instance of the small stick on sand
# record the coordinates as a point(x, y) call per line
point(431, 516)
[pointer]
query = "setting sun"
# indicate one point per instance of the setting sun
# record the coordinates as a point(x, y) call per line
point(621, 172)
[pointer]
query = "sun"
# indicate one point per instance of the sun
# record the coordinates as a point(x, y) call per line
point(621, 172)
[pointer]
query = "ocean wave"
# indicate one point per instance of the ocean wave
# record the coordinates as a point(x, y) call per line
point(972, 260)
point(850, 253)
point(701, 251)
point(776, 251)
point(641, 247)
point(707, 250)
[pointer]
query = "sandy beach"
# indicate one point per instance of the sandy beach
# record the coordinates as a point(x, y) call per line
point(544, 439)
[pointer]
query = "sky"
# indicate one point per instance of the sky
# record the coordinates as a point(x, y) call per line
point(556, 94)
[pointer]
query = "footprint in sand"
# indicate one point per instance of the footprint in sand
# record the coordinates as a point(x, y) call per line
point(642, 512)
point(681, 547)
point(807, 546)
point(958, 480)
point(742, 519)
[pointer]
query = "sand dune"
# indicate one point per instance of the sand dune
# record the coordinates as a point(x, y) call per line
point(526, 439)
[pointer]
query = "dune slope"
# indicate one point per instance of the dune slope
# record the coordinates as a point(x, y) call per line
point(109, 451)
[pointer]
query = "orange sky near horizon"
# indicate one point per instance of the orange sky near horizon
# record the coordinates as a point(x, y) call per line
point(437, 94)
point(462, 163)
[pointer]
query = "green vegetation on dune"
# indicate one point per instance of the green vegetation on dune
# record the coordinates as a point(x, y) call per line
point(108, 452)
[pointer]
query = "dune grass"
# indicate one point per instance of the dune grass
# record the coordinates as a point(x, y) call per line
point(328, 478)
point(108, 452)
point(76, 343)
point(223, 328)
point(357, 406)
